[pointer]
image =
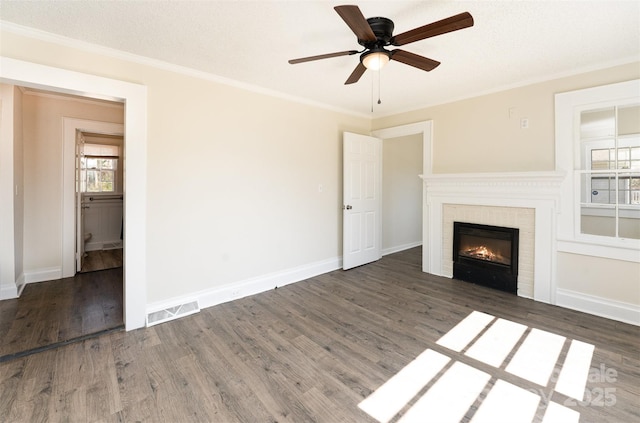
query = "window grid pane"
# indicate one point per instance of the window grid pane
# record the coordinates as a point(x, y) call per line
point(100, 174)
point(603, 186)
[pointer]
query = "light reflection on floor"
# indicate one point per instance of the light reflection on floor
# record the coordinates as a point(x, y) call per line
point(456, 386)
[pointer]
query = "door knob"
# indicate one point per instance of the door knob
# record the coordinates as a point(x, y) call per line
point(347, 207)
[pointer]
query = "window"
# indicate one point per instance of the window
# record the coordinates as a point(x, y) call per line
point(99, 166)
point(598, 145)
point(610, 171)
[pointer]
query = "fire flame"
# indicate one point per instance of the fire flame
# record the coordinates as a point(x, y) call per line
point(481, 252)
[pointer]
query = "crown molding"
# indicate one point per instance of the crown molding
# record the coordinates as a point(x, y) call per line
point(40, 35)
point(532, 81)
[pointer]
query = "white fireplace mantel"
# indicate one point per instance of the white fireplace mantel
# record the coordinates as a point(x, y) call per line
point(532, 190)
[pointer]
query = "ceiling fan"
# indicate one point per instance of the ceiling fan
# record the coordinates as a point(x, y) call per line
point(374, 34)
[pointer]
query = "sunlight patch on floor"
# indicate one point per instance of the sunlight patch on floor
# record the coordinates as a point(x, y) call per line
point(537, 356)
point(464, 332)
point(497, 342)
point(574, 373)
point(507, 403)
point(440, 405)
point(557, 413)
point(391, 397)
point(450, 389)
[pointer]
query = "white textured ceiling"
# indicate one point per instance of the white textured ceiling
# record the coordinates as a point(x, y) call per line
point(511, 43)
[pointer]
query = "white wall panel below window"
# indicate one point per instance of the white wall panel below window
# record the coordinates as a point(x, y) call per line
point(103, 220)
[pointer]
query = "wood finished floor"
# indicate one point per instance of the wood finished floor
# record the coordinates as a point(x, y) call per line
point(54, 311)
point(101, 260)
point(306, 352)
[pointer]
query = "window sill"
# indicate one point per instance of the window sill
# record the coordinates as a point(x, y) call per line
point(616, 249)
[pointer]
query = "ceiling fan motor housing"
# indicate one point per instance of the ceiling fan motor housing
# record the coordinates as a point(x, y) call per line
point(383, 29)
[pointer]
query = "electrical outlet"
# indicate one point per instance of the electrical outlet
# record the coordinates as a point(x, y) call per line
point(524, 123)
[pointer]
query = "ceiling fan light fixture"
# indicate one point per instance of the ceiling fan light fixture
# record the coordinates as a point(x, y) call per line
point(374, 34)
point(375, 59)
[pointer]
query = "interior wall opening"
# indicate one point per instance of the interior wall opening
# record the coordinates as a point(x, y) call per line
point(71, 305)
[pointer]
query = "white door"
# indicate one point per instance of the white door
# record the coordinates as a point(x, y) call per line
point(362, 200)
point(81, 175)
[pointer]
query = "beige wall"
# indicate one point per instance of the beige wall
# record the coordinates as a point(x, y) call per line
point(242, 171)
point(610, 279)
point(43, 171)
point(478, 134)
point(401, 192)
point(232, 175)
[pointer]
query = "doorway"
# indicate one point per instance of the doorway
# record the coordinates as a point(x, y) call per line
point(56, 308)
point(134, 96)
point(424, 131)
point(401, 193)
point(94, 182)
point(99, 198)
point(404, 175)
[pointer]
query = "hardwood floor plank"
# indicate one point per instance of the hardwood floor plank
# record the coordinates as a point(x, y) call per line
point(102, 259)
point(328, 336)
point(310, 351)
point(69, 405)
point(255, 366)
point(57, 311)
point(234, 376)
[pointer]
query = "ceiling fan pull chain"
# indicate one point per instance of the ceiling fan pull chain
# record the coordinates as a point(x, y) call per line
point(379, 73)
point(372, 92)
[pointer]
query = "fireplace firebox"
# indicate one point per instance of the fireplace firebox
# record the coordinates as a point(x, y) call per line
point(486, 255)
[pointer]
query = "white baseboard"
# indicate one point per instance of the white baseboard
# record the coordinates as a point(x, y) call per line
point(603, 307)
point(399, 248)
point(102, 245)
point(44, 274)
point(252, 286)
point(8, 292)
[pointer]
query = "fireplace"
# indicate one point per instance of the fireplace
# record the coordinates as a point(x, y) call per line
point(486, 255)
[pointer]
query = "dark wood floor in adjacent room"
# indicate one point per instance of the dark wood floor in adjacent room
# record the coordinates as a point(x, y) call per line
point(51, 312)
point(306, 352)
point(102, 259)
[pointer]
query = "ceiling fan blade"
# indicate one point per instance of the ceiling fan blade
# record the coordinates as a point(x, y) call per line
point(354, 18)
point(323, 56)
point(356, 74)
point(414, 60)
point(453, 23)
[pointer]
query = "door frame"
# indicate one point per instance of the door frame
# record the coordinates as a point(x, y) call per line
point(134, 96)
point(70, 126)
point(425, 129)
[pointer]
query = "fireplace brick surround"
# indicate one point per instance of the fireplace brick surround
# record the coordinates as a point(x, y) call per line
point(529, 201)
